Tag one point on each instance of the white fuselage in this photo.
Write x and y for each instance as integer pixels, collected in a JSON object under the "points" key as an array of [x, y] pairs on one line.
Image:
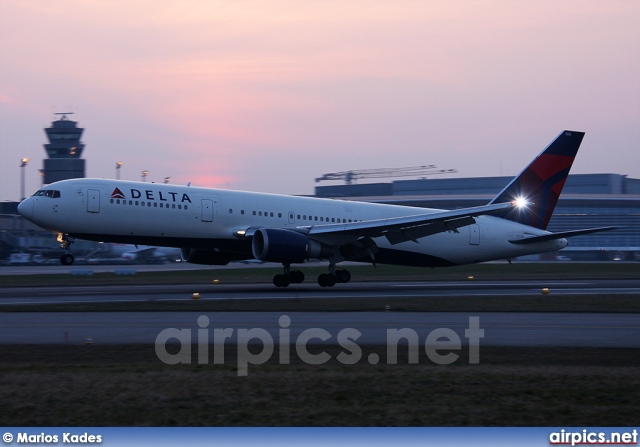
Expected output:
{"points": [[203, 218]]}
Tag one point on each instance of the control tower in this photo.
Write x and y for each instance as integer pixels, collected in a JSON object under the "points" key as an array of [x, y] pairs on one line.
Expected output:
{"points": [[64, 150]]}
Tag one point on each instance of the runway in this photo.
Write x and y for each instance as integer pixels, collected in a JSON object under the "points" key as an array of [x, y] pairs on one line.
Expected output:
{"points": [[310, 290], [499, 329]]}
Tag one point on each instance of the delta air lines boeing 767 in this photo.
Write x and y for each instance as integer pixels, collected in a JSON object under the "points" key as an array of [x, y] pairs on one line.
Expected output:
{"points": [[215, 226]]}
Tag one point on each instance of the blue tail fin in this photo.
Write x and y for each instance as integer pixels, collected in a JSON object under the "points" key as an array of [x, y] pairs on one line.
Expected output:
{"points": [[541, 182]]}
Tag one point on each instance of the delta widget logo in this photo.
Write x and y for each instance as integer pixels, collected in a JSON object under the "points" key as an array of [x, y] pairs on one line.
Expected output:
{"points": [[117, 194]]}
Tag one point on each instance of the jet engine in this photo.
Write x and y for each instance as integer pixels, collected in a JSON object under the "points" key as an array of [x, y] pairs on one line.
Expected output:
{"points": [[286, 246]]}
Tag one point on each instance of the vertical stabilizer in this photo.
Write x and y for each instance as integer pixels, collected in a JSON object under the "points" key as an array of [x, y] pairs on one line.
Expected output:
{"points": [[541, 182]]}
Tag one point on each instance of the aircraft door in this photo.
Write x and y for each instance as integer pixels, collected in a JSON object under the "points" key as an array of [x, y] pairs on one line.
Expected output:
{"points": [[474, 234], [207, 210], [292, 217], [93, 201]]}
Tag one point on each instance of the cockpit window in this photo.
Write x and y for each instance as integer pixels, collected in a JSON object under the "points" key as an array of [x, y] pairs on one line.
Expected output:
{"points": [[54, 194]]}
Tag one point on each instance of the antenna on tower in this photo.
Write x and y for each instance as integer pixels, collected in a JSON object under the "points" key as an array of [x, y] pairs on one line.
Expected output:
{"points": [[64, 115]]}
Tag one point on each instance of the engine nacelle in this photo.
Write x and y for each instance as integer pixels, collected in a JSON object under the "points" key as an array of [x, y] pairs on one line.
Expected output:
{"points": [[286, 246], [204, 257]]}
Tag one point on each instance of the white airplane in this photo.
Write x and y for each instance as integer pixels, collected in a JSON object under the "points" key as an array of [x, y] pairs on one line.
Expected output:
{"points": [[214, 226]]}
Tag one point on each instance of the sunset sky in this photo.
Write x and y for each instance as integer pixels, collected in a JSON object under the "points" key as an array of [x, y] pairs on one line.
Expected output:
{"points": [[267, 96]]}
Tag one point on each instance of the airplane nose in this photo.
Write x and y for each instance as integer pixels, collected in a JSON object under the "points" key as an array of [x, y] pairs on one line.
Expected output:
{"points": [[25, 208]]}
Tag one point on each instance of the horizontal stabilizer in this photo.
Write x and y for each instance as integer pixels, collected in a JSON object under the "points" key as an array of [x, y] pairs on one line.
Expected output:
{"points": [[564, 234]]}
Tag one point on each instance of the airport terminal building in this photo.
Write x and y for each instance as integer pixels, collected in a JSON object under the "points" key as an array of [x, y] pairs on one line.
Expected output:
{"points": [[587, 201]]}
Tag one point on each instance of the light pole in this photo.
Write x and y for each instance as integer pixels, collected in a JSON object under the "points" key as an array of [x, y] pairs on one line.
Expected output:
{"points": [[23, 163], [144, 175], [118, 167]]}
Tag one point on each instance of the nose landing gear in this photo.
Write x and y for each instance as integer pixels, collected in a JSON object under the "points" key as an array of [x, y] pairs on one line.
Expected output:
{"points": [[67, 259], [65, 243]]}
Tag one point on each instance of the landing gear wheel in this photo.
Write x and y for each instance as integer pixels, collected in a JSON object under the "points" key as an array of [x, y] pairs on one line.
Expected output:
{"points": [[296, 276], [67, 259], [281, 280], [327, 280], [343, 276], [288, 277]]}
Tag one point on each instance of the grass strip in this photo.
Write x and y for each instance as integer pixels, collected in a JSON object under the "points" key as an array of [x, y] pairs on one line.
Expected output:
{"points": [[127, 385]]}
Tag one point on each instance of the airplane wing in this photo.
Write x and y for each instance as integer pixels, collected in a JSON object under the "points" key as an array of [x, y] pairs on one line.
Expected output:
{"points": [[400, 229], [563, 234]]}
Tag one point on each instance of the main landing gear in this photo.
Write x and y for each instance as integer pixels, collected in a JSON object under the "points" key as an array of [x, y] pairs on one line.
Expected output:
{"points": [[65, 243], [288, 277], [324, 280], [334, 277]]}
